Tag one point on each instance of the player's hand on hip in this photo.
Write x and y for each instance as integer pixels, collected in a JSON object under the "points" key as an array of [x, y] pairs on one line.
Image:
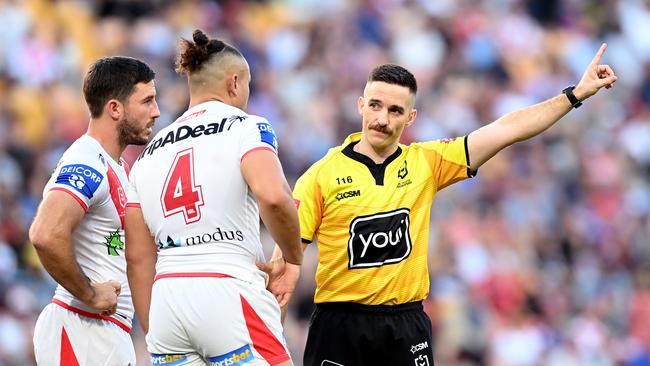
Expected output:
{"points": [[595, 77], [105, 297]]}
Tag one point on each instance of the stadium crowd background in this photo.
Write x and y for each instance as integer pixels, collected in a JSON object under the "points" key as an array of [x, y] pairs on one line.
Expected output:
{"points": [[542, 259]]}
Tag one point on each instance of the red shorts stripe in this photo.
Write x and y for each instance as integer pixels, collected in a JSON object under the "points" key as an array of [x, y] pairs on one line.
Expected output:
{"points": [[82, 203], [91, 315], [263, 339], [192, 274], [68, 357]]}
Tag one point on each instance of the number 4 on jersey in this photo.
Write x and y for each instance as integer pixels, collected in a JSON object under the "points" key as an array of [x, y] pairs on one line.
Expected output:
{"points": [[180, 192]]}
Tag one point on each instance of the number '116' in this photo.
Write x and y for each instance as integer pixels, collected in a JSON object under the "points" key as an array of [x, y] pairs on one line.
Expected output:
{"points": [[344, 180]]}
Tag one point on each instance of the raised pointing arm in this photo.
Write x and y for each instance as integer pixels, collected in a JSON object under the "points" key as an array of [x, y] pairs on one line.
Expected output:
{"points": [[527, 122]]}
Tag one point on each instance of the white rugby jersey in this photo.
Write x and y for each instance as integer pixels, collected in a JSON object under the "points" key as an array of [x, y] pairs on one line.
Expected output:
{"points": [[193, 196], [99, 184]]}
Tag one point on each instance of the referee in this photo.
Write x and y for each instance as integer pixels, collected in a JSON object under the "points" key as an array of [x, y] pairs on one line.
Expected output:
{"points": [[367, 203]]}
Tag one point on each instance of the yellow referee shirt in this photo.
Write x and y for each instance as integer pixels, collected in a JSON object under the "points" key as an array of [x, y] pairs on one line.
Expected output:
{"points": [[371, 221]]}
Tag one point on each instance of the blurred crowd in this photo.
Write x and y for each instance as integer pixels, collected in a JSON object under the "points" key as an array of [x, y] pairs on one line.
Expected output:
{"points": [[542, 259]]}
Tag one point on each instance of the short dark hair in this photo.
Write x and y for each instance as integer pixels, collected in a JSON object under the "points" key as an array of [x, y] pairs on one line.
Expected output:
{"points": [[113, 78], [394, 74], [194, 54]]}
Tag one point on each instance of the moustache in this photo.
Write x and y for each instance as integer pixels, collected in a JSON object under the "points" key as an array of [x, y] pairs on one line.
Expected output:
{"points": [[378, 128]]}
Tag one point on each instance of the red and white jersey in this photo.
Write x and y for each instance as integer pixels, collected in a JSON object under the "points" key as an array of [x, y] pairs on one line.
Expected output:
{"points": [[194, 199], [99, 184]]}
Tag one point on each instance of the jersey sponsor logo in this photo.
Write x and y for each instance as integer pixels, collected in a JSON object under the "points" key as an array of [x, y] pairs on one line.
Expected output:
{"points": [[379, 239], [81, 177], [238, 356], [183, 132], [448, 140], [419, 347], [216, 236], [348, 194], [114, 242], [267, 134], [170, 243], [422, 360], [219, 235], [169, 360]]}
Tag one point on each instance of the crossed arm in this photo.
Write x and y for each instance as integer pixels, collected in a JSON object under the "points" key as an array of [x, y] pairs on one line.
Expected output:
{"points": [[527, 122]]}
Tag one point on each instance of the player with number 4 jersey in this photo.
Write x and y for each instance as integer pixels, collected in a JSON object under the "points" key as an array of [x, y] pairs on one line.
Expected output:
{"points": [[181, 209], [198, 191]]}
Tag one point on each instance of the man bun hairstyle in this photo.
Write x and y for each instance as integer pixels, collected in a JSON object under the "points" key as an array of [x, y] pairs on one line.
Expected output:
{"points": [[194, 54], [394, 74], [113, 78]]}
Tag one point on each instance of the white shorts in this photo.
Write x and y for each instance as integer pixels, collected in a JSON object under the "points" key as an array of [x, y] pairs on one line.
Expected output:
{"points": [[66, 338], [213, 320]]}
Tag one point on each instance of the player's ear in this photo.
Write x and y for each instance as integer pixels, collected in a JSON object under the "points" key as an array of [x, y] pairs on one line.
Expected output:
{"points": [[114, 108], [360, 104], [412, 116], [232, 84]]}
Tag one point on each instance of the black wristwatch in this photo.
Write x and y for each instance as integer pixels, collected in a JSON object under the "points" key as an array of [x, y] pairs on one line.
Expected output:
{"points": [[568, 91]]}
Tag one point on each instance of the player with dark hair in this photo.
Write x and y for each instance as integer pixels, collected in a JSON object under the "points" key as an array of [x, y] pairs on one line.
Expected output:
{"points": [[192, 223], [368, 202], [78, 231]]}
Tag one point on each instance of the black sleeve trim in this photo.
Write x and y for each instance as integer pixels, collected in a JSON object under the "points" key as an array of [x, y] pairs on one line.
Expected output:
{"points": [[305, 241], [469, 172]]}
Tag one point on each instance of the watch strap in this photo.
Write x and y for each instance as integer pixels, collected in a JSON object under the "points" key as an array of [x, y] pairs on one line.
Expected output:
{"points": [[568, 91]]}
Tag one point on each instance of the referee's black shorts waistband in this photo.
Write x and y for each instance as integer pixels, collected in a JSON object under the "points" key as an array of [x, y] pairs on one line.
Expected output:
{"points": [[362, 308]]}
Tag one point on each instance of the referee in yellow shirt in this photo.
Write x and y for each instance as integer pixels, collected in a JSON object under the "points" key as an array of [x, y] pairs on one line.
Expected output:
{"points": [[368, 202]]}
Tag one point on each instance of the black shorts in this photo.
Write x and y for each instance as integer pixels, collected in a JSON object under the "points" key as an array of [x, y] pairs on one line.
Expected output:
{"points": [[348, 334]]}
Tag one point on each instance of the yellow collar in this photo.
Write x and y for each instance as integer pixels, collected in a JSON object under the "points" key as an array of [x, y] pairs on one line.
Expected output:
{"points": [[352, 138]]}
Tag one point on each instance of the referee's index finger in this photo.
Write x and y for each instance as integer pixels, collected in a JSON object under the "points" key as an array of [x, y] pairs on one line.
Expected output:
{"points": [[599, 54]]}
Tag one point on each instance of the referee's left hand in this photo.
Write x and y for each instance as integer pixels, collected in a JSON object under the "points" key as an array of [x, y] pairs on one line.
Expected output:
{"points": [[283, 277]]}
